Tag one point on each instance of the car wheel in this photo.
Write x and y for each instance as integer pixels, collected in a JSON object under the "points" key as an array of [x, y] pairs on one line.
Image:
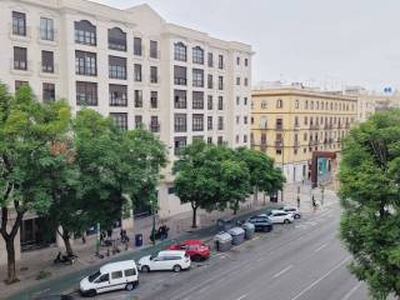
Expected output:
{"points": [[197, 258], [91, 293], [297, 216], [130, 286], [177, 268], [145, 269], [286, 221]]}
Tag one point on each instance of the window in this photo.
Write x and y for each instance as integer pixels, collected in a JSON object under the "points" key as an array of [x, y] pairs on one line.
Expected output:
{"points": [[245, 138], [138, 98], [19, 83], [263, 140], [86, 93], [238, 60], [154, 125], [180, 123], [49, 92], [116, 39], [220, 123], [210, 102], [137, 72], [220, 103], [120, 120], [179, 75], [220, 140], [180, 52], [153, 49], [198, 55], [305, 136], [246, 62], [130, 272], [245, 101], [220, 62], [297, 104], [210, 59], [246, 82], [116, 275], [198, 78], [20, 58], [322, 105], [279, 103], [180, 142], [279, 124], [209, 140], [118, 95], [312, 105], [210, 81], [237, 139], [317, 105], [305, 120], [198, 123], [220, 83], [237, 80], [138, 121], [85, 63], [153, 99], [137, 46], [180, 98], [103, 278], [85, 33], [46, 29], [19, 23], [263, 123], [245, 120], [117, 67], [209, 123], [237, 100], [198, 100], [306, 104], [47, 61], [153, 74], [296, 121], [264, 104], [237, 119]]}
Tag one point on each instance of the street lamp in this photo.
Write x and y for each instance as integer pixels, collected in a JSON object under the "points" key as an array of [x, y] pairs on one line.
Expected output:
{"points": [[283, 158]]}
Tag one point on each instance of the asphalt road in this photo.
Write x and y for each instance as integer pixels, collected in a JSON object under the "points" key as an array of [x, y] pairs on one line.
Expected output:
{"points": [[301, 261]]}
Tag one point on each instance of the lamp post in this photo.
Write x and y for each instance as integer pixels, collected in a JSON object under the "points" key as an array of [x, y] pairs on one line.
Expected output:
{"points": [[283, 158]]}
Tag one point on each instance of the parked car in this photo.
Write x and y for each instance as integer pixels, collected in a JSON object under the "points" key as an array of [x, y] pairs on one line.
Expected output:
{"points": [[280, 216], [110, 277], [261, 223], [171, 260], [54, 297], [293, 210], [196, 249]]}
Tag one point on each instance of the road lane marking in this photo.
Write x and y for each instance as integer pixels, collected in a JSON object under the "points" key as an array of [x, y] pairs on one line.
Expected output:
{"points": [[321, 278], [283, 271], [352, 291], [242, 297], [321, 247]]}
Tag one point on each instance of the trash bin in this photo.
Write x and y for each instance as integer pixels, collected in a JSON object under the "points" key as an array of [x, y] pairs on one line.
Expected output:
{"points": [[249, 230], [237, 234], [223, 241], [139, 240]]}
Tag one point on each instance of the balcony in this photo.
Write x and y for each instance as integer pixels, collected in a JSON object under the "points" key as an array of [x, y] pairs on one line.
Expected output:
{"points": [[279, 127]]}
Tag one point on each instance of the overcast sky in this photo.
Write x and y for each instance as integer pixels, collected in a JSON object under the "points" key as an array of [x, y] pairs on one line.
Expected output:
{"points": [[335, 42]]}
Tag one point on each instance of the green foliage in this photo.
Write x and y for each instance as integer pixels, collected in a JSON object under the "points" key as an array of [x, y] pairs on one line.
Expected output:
{"points": [[370, 195]]}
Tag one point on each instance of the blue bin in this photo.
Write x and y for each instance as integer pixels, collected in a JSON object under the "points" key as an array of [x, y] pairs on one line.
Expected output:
{"points": [[139, 240]]}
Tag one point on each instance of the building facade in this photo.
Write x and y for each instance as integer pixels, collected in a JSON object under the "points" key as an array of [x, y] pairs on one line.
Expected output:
{"points": [[133, 66], [290, 123]]}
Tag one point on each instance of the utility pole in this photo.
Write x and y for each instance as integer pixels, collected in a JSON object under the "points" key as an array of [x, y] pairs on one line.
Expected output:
{"points": [[283, 157]]}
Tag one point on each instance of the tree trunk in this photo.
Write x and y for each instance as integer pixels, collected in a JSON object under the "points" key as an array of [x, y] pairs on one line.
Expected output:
{"points": [[255, 199], [67, 243], [235, 207], [194, 216], [11, 273]]}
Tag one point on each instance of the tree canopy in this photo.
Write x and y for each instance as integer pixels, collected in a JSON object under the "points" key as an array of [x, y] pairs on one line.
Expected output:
{"points": [[370, 196]]}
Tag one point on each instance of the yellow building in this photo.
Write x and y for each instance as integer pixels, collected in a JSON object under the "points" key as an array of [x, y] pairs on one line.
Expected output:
{"points": [[289, 123]]}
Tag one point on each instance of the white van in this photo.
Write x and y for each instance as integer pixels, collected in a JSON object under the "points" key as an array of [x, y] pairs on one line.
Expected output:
{"points": [[113, 276], [172, 260]]}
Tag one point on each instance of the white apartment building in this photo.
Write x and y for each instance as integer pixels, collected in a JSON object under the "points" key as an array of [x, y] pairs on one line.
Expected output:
{"points": [[134, 66]]}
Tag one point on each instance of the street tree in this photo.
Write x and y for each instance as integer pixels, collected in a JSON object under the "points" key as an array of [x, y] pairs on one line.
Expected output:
{"points": [[369, 189], [198, 177], [264, 176], [28, 129]]}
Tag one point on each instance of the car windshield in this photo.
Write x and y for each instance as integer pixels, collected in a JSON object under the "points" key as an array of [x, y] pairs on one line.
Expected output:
{"points": [[94, 276]]}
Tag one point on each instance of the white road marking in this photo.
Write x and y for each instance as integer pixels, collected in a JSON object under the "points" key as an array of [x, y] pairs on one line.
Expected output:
{"points": [[242, 297], [321, 278], [352, 291], [283, 271], [321, 247]]}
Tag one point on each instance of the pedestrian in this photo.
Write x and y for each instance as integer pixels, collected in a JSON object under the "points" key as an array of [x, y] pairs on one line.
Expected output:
{"points": [[109, 233], [298, 201], [314, 203]]}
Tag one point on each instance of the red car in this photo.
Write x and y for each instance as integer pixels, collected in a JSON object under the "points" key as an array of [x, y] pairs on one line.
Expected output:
{"points": [[196, 249]]}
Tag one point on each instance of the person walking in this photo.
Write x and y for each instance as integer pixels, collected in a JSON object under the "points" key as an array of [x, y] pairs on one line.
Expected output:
{"points": [[314, 203], [298, 202]]}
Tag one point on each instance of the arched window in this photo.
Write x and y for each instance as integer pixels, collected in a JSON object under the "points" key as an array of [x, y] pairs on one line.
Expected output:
{"points": [[180, 51], [306, 104], [85, 33], [198, 55], [317, 105], [297, 103], [312, 104], [331, 105], [322, 105], [279, 103], [116, 39], [335, 106], [264, 104]]}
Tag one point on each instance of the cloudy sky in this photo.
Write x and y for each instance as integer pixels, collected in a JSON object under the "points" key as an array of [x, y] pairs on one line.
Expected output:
{"points": [[328, 43]]}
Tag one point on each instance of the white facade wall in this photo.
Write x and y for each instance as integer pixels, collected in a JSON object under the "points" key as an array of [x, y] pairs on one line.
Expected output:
{"points": [[140, 21]]}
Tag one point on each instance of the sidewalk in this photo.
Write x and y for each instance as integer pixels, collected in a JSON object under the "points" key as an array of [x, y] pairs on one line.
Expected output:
{"points": [[34, 262]]}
